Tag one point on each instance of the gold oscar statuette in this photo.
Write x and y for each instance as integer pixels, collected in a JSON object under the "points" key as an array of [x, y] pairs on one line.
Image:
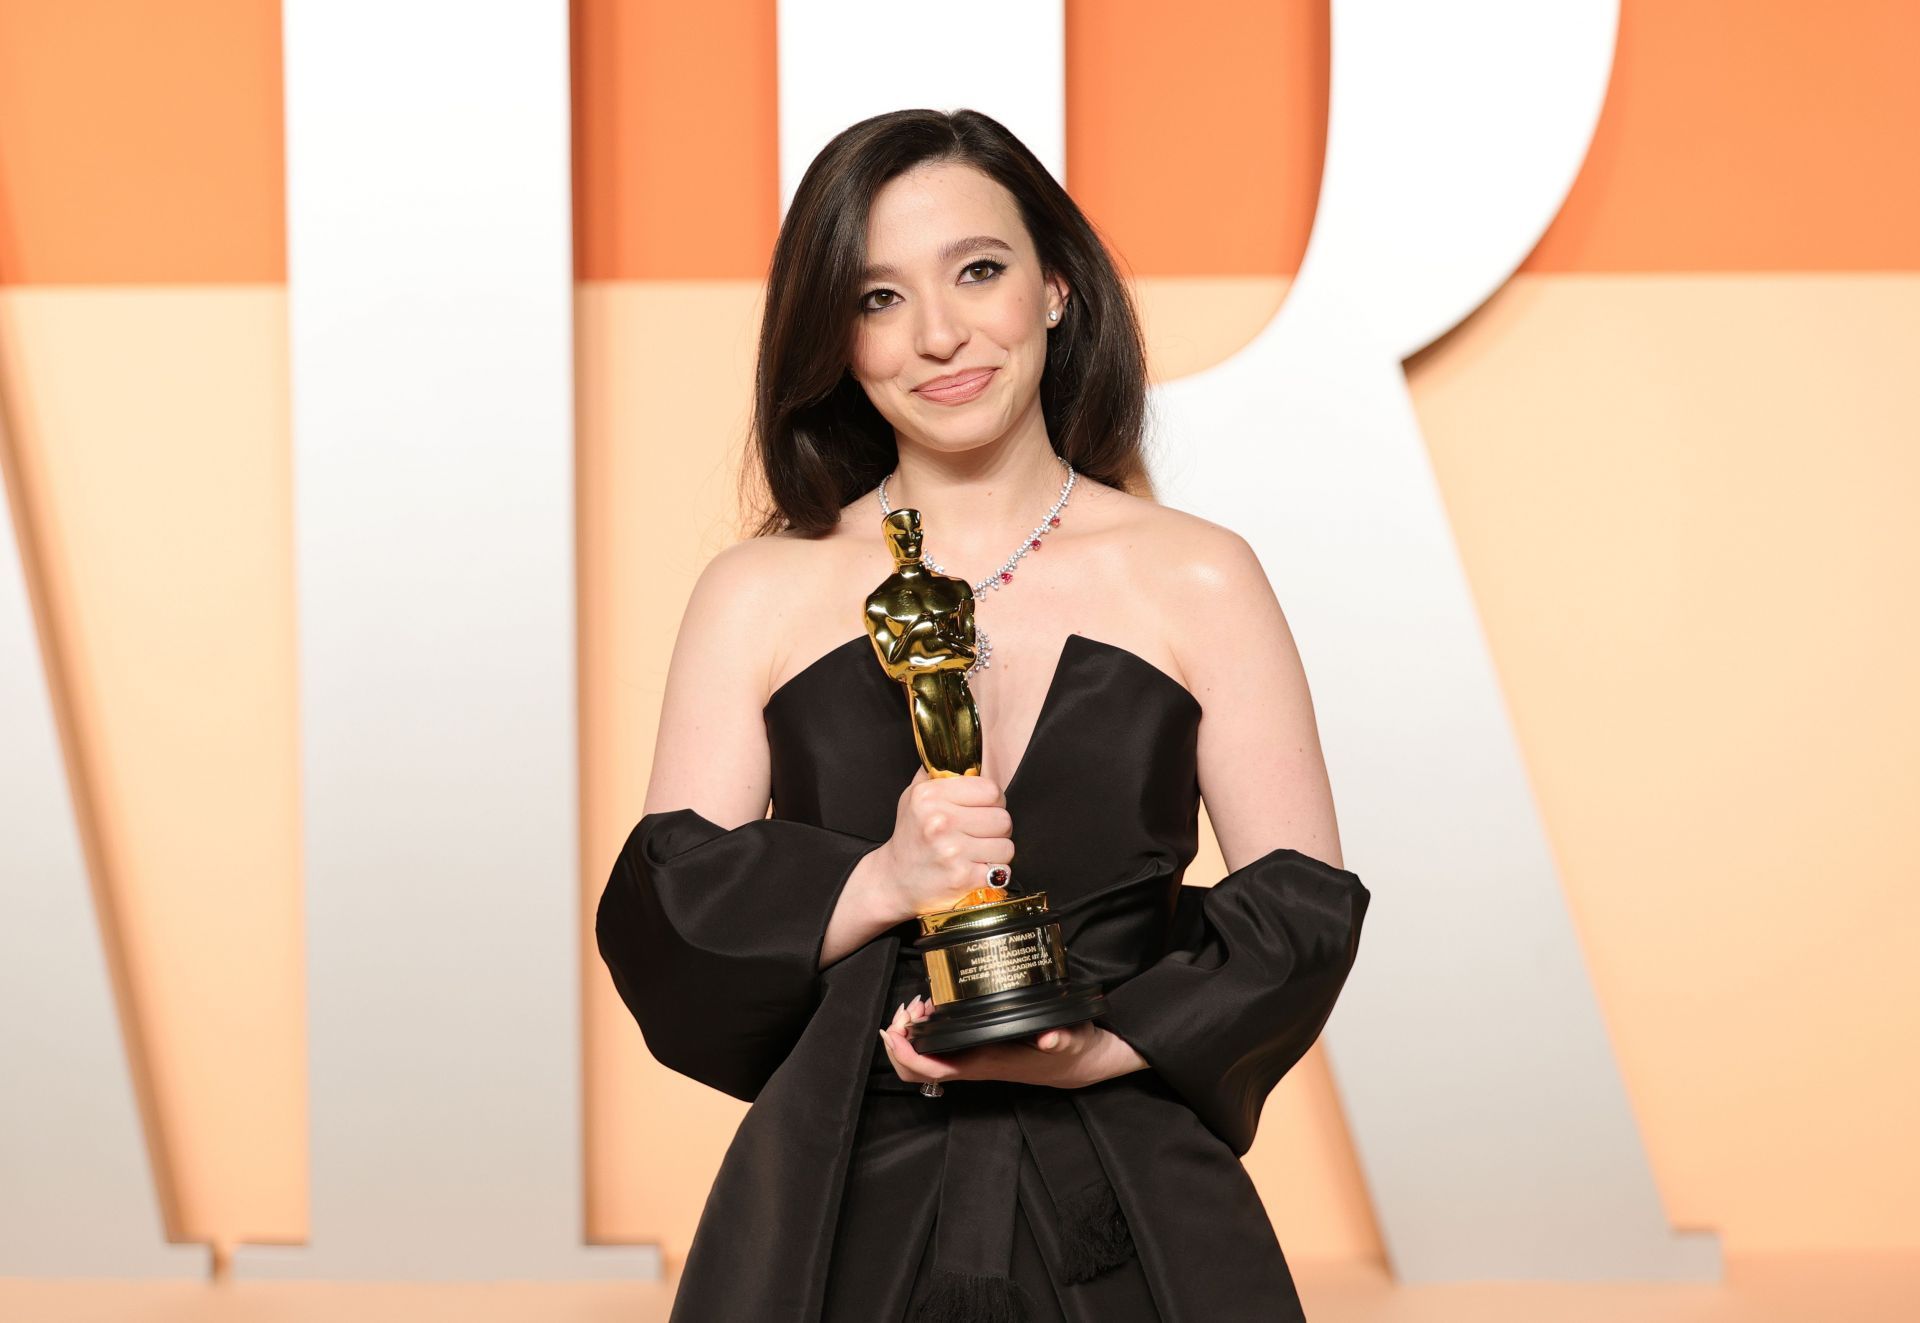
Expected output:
{"points": [[996, 966]]}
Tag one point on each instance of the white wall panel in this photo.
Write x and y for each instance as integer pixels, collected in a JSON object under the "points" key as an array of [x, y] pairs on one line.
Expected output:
{"points": [[430, 274], [844, 60], [1481, 1091]]}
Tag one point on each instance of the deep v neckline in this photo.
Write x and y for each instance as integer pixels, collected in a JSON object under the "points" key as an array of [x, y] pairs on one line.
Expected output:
{"points": [[1040, 717], [1075, 645]]}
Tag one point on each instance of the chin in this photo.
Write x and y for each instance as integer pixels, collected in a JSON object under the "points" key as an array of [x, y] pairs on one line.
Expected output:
{"points": [[969, 438]]}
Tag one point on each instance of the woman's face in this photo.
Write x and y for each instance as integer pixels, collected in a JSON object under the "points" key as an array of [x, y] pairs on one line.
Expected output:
{"points": [[953, 286]]}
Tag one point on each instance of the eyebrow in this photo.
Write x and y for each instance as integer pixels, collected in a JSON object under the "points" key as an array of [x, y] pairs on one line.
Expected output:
{"points": [[881, 271]]}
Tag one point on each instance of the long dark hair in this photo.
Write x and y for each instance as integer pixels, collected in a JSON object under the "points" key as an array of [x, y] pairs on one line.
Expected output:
{"points": [[818, 441]]}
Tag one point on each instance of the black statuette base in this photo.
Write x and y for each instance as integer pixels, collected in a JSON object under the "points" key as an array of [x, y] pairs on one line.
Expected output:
{"points": [[999, 1016]]}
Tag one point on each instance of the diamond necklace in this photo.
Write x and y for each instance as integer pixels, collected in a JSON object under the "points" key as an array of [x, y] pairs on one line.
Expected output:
{"points": [[983, 652]]}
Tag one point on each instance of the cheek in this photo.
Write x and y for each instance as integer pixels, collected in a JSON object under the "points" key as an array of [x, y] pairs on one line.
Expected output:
{"points": [[1016, 325], [875, 357]]}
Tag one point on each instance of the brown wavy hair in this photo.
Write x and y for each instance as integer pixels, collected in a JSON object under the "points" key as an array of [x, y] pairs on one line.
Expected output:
{"points": [[816, 441]]}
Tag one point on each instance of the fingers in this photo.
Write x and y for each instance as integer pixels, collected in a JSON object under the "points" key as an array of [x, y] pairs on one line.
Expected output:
{"points": [[912, 1066], [971, 791], [894, 1044], [1009, 1061], [986, 822], [1069, 1039], [1055, 1057]]}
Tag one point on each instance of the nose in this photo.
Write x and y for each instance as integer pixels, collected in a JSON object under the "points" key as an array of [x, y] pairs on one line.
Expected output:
{"points": [[939, 330]]}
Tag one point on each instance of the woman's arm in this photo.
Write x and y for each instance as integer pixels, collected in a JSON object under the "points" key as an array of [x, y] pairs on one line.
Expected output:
{"points": [[1262, 773], [710, 749], [716, 920], [1254, 963], [868, 906]]}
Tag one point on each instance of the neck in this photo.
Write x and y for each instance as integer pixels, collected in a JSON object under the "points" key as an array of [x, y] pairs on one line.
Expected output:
{"points": [[977, 505]]}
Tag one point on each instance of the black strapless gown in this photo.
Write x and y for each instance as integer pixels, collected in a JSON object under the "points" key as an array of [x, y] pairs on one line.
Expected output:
{"points": [[848, 1197]]}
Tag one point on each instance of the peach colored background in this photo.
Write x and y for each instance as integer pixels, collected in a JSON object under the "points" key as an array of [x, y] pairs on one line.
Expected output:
{"points": [[1678, 452]]}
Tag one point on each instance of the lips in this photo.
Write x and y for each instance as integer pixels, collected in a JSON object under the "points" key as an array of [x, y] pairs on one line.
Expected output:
{"points": [[961, 386]]}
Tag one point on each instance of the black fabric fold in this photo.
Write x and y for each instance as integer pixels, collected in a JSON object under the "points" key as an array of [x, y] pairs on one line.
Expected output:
{"points": [[1094, 1237], [958, 1297], [1084, 1233], [973, 1234], [713, 938], [1252, 969], [1089, 1231]]}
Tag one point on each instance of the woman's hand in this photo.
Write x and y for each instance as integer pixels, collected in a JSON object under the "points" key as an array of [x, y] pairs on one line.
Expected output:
{"points": [[947, 832], [1069, 1058]]}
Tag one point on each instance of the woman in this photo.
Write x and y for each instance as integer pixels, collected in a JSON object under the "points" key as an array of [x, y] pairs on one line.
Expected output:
{"points": [[944, 331]]}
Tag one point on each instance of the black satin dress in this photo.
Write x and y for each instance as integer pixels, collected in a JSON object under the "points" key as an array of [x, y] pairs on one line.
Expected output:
{"points": [[846, 1196]]}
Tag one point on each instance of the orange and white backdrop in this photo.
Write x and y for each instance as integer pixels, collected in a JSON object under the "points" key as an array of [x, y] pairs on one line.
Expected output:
{"points": [[373, 382]]}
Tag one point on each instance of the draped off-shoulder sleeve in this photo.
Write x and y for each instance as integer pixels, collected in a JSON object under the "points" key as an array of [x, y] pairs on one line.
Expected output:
{"points": [[1253, 966], [713, 938]]}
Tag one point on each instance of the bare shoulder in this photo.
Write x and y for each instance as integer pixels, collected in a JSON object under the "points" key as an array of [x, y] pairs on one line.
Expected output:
{"points": [[1214, 604], [737, 584], [739, 573], [1187, 563], [1193, 554]]}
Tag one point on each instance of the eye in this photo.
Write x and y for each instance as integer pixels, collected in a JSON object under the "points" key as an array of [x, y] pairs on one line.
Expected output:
{"points": [[993, 269]]}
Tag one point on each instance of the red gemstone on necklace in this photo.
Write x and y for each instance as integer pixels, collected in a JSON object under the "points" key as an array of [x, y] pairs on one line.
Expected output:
{"points": [[1053, 521], [1006, 576], [1034, 545]]}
